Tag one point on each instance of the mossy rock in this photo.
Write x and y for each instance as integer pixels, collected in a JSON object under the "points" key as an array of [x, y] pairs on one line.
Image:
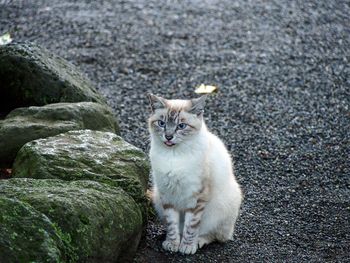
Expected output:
{"points": [[30, 75], [95, 222], [27, 235], [87, 155], [23, 125]]}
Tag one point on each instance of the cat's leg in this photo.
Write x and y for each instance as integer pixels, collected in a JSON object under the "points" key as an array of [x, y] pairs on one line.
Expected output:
{"points": [[225, 227], [189, 242], [172, 220], [205, 240], [224, 231]]}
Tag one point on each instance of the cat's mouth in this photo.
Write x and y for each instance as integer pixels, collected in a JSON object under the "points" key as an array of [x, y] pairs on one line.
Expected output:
{"points": [[169, 143]]}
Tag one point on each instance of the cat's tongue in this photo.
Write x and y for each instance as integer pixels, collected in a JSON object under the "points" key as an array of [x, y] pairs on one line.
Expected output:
{"points": [[169, 143]]}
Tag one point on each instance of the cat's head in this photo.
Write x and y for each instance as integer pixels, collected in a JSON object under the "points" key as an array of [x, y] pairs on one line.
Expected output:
{"points": [[173, 122]]}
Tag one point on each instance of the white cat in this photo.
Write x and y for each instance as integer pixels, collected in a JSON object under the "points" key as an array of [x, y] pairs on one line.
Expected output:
{"points": [[195, 191]]}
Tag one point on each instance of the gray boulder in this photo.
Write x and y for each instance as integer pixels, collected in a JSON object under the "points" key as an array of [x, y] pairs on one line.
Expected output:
{"points": [[26, 124], [87, 155], [32, 76], [79, 221]]}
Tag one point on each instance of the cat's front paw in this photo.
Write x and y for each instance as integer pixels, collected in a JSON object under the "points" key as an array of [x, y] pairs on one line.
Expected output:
{"points": [[188, 248], [171, 246]]}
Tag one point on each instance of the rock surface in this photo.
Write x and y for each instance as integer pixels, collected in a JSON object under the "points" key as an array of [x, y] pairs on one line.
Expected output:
{"points": [[30, 75], [26, 124], [86, 155], [27, 235], [96, 222]]}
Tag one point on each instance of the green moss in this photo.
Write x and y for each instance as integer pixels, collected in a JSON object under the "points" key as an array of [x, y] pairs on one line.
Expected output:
{"points": [[87, 155], [26, 235], [40, 122], [92, 221], [69, 249]]}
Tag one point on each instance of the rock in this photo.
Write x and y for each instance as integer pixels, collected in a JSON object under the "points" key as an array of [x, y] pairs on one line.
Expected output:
{"points": [[26, 124], [96, 222], [87, 155], [32, 76], [27, 235]]}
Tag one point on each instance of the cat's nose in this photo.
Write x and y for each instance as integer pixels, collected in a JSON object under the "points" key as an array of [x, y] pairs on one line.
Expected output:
{"points": [[169, 137]]}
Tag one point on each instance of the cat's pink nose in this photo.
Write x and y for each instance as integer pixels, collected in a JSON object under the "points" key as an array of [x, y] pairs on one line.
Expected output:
{"points": [[169, 137]]}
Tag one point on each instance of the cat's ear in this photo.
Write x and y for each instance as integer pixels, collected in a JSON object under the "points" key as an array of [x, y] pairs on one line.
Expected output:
{"points": [[198, 105], [156, 102]]}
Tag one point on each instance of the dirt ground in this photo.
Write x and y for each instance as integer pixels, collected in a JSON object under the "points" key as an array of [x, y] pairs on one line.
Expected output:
{"points": [[282, 69]]}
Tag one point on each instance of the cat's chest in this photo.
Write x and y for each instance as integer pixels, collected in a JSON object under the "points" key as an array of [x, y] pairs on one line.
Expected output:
{"points": [[177, 173], [178, 177], [176, 165], [178, 184]]}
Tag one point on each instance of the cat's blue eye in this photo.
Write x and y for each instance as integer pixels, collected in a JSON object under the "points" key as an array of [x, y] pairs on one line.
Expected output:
{"points": [[161, 123], [181, 126]]}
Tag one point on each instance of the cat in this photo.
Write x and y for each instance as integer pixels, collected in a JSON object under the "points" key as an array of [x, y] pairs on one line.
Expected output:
{"points": [[195, 192]]}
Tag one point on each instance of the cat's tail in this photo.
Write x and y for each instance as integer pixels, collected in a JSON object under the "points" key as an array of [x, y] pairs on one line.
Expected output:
{"points": [[149, 194], [153, 195]]}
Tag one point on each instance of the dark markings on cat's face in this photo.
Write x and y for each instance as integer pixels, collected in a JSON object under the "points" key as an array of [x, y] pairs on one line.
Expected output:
{"points": [[174, 121]]}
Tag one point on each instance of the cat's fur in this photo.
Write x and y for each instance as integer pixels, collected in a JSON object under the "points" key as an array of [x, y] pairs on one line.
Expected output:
{"points": [[194, 188]]}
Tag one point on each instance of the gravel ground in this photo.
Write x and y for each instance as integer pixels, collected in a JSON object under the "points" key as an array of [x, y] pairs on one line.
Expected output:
{"points": [[282, 68]]}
